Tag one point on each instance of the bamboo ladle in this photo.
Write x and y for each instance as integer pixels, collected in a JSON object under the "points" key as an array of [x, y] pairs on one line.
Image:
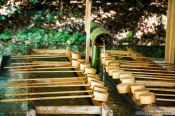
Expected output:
{"points": [[56, 78], [49, 86], [31, 57], [29, 72], [49, 93], [52, 83], [33, 68], [46, 98]]}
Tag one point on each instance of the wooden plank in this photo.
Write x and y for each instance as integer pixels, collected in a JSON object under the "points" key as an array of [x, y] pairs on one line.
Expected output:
{"points": [[166, 110], [68, 109], [106, 111]]}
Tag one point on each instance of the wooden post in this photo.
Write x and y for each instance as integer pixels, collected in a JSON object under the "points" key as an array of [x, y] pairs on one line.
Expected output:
{"points": [[87, 28], [106, 111], [170, 33]]}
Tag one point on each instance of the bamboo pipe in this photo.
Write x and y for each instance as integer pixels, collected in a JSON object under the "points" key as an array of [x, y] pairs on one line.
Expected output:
{"points": [[57, 78], [43, 68], [49, 93], [170, 95], [52, 83], [46, 98], [164, 99], [16, 58], [26, 72], [162, 89], [48, 86], [155, 78]]}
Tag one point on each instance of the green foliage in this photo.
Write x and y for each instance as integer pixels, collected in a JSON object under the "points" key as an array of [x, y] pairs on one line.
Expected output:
{"points": [[6, 35], [34, 37], [34, 1], [8, 11], [129, 37]]}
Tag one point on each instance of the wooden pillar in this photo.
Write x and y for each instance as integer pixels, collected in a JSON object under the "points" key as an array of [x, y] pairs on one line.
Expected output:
{"points": [[87, 28], [170, 33]]}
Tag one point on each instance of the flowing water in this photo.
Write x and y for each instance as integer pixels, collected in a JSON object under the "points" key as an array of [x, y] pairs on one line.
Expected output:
{"points": [[118, 103]]}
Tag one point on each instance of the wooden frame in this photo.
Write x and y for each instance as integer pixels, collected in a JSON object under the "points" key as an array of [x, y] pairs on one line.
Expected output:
{"points": [[146, 74], [170, 33], [99, 108]]}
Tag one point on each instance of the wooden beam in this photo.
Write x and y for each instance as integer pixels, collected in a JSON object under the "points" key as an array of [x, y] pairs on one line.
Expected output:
{"points": [[166, 110], [87, 28], [170, 33], [68, 109]]}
